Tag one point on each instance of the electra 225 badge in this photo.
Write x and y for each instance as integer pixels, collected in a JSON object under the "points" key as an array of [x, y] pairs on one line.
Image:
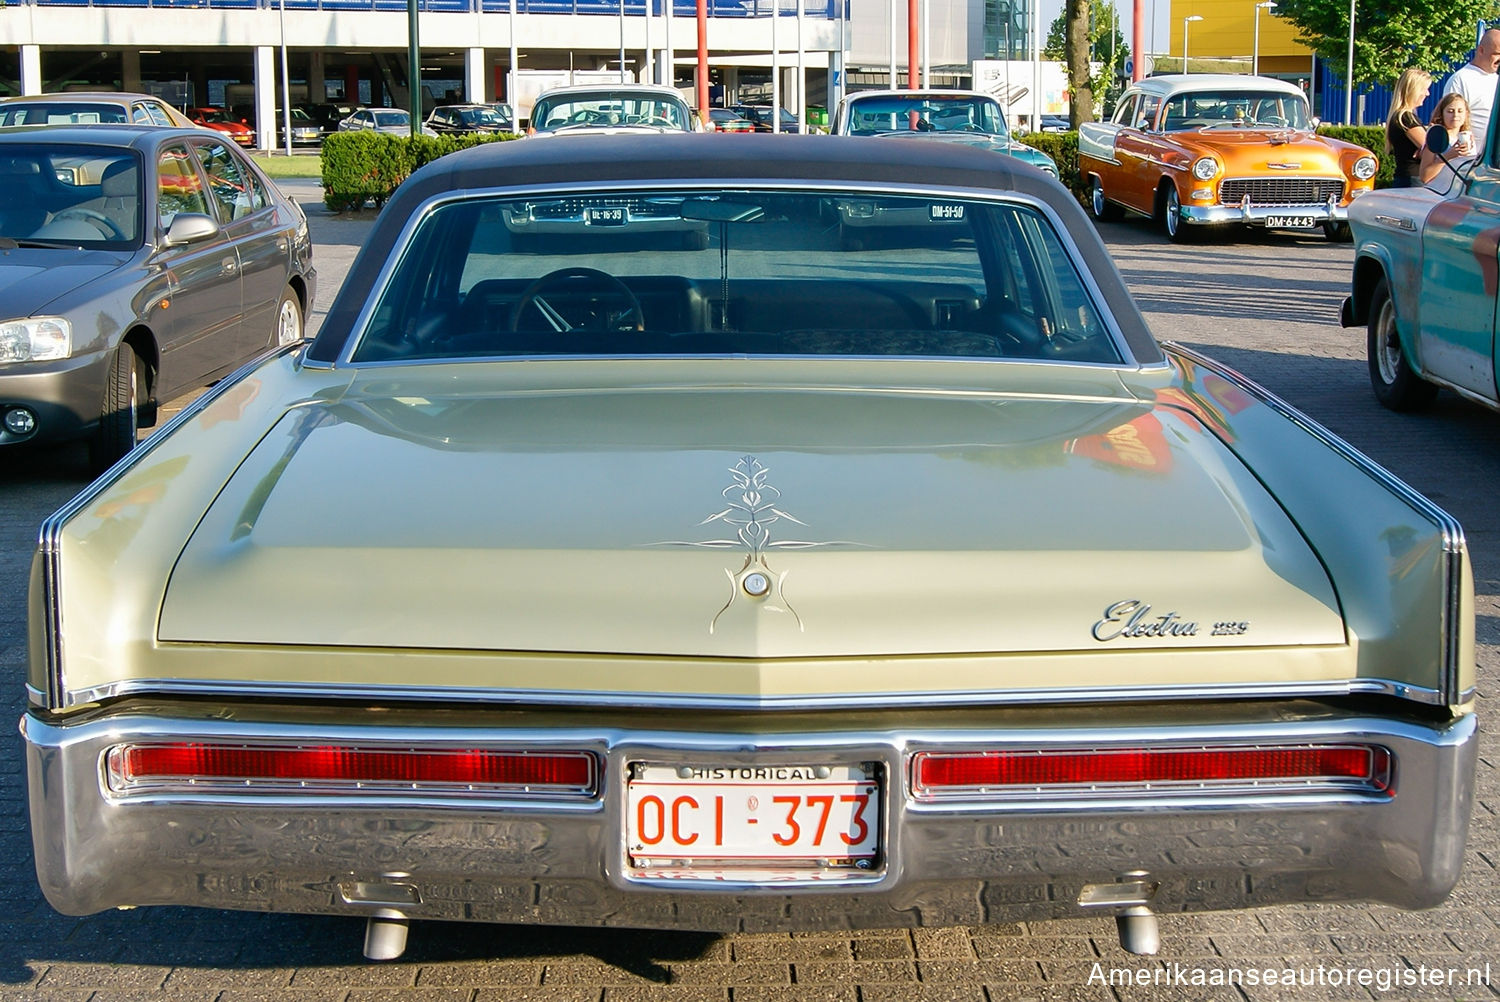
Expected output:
{"points": [[1133, 619], [751, 506]]}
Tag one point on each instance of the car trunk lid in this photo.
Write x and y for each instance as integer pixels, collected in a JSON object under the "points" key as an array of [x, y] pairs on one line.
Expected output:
{"points": [[746, 523]]}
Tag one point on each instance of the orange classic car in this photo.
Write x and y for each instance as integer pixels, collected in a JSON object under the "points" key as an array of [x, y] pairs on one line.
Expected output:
{"points": [[1210, 149]]}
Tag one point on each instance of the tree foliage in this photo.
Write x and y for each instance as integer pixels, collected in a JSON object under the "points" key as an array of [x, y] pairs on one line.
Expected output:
{"points": [[1389, 35]]}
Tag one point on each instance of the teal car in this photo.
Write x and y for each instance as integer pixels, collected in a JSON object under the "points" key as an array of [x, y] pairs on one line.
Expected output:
{"points": [[970, 118], [1424, 284]]}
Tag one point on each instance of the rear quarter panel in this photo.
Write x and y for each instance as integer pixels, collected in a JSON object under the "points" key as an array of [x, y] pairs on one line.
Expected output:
{"points": [[1399, 563]]}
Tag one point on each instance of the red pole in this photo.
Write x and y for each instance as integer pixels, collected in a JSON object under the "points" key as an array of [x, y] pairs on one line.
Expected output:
{"points": [[703, 61], [1137, 41], [912, 70]]}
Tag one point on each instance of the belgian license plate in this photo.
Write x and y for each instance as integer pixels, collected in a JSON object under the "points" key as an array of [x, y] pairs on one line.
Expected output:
{"points": [[724, 820], [1290, 222], [607, 216]]}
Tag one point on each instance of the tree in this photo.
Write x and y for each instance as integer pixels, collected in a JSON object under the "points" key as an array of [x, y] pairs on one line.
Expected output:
{"points": [[1080, 79], [1389, 35], [1107, 50]]}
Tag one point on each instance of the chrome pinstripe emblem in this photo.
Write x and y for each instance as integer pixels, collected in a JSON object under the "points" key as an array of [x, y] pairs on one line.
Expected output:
{"points": [[752, 514]]}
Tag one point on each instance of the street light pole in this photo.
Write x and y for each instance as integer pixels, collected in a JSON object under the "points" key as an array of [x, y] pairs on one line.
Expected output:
{"points": [[1255, 59], [1349, 72], [1185, 22]]}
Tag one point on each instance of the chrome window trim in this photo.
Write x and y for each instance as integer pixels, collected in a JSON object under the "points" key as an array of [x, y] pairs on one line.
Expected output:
{"points": [[360, 325], [1452, 532], [310, 691], [49, 537]]}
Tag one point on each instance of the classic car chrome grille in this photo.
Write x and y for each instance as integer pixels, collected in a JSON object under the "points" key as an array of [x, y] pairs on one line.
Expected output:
{"points": [[1281, 190]]}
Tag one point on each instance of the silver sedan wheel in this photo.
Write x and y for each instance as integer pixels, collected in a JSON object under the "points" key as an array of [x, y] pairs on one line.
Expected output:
{"points": [[288, 319]]}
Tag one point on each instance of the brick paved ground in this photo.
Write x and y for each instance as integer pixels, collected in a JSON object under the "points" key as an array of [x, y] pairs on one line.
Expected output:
{"points": [[1265, 305]]}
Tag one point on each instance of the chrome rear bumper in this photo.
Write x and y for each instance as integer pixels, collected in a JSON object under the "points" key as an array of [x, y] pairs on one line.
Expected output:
{"points": [[944, 863]]}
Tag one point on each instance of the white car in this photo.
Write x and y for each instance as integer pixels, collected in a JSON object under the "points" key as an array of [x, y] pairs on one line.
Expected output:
{"points": [[610, 108], [391, 121]]}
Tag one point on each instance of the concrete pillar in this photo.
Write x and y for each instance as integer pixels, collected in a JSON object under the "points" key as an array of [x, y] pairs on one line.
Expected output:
{"points": [[130, 71], [835, 77], [198, 75], [474, 75], [265, 97], [31, 69], [317, 91]]}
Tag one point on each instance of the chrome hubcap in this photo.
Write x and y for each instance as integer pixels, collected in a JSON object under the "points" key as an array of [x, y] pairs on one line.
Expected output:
{"points": [[1098, 199], [1387, 345], [1173, 208]]}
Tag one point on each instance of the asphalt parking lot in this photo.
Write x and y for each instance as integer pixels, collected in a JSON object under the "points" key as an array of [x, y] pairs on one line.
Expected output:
{"points": [[1263, 304]]}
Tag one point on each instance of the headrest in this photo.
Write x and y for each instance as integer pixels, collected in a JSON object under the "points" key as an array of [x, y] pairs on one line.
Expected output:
{"points": [[119, 180]]}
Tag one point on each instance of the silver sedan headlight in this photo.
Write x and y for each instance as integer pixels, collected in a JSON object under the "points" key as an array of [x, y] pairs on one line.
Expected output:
{"points": [[1364, 168], [1205, 168], [36, 339]]}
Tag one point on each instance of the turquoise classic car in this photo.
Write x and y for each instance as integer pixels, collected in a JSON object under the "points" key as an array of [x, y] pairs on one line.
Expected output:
{"points": [[954, 116], [1424, 283]]}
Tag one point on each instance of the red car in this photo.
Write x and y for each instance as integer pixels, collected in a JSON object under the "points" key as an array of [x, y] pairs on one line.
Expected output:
{"points": [[218, 120]]}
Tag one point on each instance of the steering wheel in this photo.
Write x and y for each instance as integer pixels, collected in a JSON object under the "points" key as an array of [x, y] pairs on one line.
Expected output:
{"points": [[78, 212], [589, 295]]}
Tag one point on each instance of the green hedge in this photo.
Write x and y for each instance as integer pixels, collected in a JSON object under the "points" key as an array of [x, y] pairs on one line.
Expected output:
{"points": [[1372, 138], [368, 166], [1063, 147]]}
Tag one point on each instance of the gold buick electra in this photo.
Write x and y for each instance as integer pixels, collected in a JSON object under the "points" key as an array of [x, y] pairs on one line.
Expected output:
{"points": [[753, 581], [1208, 150]]}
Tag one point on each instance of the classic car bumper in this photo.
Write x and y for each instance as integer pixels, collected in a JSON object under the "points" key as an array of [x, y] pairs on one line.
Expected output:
{"points": [[1258, 215], [523, 858]]}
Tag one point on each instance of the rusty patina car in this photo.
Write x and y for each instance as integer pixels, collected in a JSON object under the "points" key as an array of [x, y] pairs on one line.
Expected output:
{"points": [[771, 585], [1206, 150]]}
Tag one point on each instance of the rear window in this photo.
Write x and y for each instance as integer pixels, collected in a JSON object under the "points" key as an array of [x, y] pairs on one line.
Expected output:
{"points": [[63, 113], [736, 272]]}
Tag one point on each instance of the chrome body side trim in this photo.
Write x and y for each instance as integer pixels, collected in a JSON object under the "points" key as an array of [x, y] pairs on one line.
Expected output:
{"points": [[1447, 525], [378, 694], [50, 534], [511, 859]]}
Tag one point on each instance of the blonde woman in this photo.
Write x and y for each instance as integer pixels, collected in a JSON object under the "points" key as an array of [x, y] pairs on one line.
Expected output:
{"points": [[1452, 113], [1404, 133]]}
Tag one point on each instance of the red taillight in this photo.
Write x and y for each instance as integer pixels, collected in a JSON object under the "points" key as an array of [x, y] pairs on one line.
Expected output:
{"points": [[938, 774], [201, 766]]}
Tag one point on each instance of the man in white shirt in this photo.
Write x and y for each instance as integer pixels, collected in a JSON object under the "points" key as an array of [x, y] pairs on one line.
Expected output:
{"points": [[1475, 80]]}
